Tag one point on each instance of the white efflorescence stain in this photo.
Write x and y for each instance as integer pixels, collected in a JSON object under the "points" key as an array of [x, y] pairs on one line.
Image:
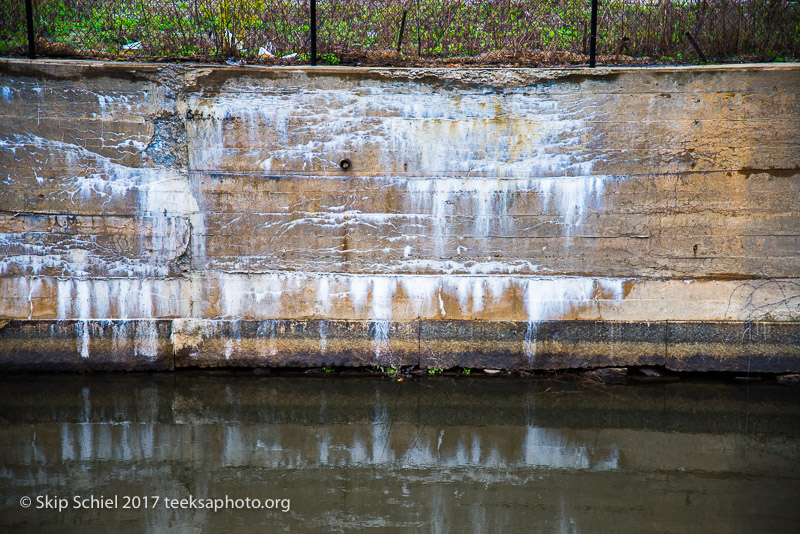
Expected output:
{"points": [[165, 207], [459, 170], [536, 148], [554, 298], [471, 155], [377, 299]]}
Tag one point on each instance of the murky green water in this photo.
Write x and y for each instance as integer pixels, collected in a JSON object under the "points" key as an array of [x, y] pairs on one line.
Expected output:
{"points": [[342, 454]]}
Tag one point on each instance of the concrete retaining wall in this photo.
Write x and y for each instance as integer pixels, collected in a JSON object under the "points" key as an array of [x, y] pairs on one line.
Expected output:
{"points": [[162, 216]]}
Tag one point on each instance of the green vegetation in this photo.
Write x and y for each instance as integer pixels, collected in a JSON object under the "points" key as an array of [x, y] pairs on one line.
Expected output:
{"points": [[390, 371], [328, 370], [231, 22], [330, 58], [435, 371], [434, 28], [12, 26]]}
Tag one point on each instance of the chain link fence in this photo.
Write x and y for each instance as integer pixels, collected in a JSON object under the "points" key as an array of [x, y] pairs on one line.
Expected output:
{"points": [[406, 32]]}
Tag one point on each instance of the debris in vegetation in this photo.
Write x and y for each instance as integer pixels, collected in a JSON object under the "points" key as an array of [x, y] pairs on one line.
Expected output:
{"points": [[652, 374], [747, 378], [607, 375], [788, 380], [494, 58]]}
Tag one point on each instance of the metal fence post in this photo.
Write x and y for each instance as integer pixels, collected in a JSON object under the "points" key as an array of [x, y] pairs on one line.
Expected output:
{"points": [[313, 24], [593, 36], [402, 29], [696, 46], [31, 36]]}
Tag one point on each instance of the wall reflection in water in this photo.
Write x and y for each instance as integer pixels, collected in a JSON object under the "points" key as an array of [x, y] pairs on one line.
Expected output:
{"points": [[471, 455]]}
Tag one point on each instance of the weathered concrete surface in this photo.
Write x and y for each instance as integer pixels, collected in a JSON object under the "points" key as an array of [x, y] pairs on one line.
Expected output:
{"points": [[503, 218], [547, 345], [746, 346], [294, 343], [86, 345]]}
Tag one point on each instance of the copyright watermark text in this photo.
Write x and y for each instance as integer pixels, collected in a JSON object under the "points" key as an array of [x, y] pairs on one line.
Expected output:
{"points": [[149, 502]]}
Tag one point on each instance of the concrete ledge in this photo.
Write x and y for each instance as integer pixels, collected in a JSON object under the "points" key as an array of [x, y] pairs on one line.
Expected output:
{"points": [[765, 347], [286, 343], [549, 345], [86, 346]]}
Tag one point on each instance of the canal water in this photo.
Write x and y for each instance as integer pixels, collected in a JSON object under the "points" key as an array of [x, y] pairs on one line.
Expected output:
{"points": [[189, 452]]}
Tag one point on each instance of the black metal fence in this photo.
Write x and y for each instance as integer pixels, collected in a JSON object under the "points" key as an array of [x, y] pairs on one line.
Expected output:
{"points": [[404, 31]]}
